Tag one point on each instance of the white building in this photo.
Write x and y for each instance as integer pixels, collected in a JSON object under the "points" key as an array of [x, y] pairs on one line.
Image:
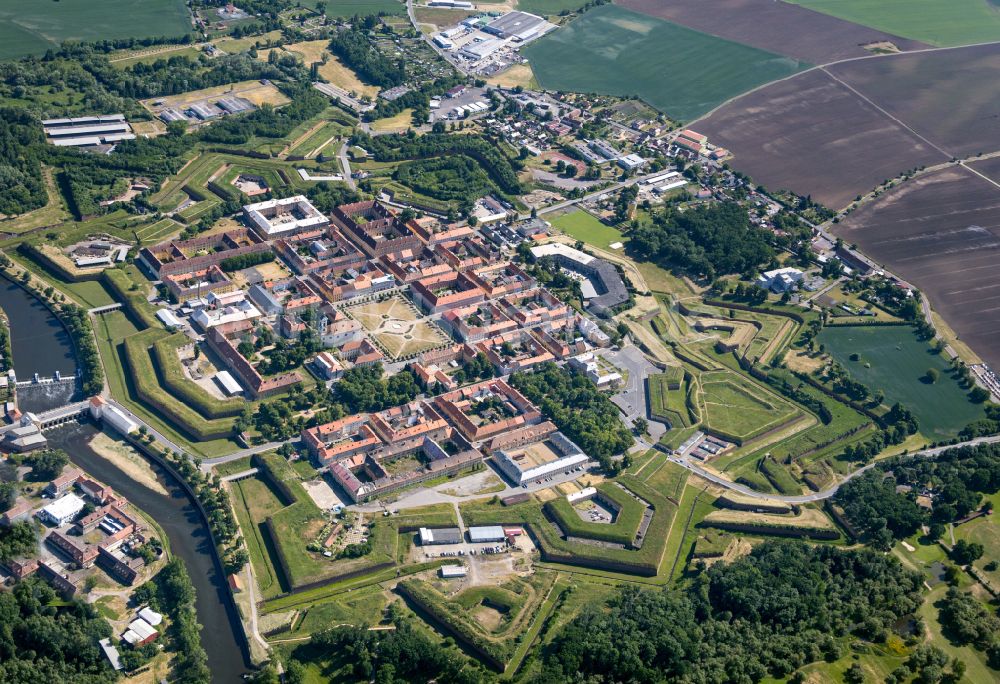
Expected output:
{"points": [[590, 365], [281, 217], [486, 533], [62, 511], [169, 318], [228, 383], [453, 571], [631, 162], [112, 415], [780, 279], [444, 42], [241, 311], [568, 456]]}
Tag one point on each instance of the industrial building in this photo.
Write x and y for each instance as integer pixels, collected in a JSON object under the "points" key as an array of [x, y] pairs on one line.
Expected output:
{"points": [[488, 533], [62, 511], [453, 571], [780, 279], [448, 535], [519, 26], [87, 131]]}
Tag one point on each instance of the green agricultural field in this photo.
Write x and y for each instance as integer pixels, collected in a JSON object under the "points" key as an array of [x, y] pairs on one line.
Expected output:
{"points": [[681, 72], [584, 227], [550, 7], [32, 27], [898, 361], [956, 22], [361, 8]]}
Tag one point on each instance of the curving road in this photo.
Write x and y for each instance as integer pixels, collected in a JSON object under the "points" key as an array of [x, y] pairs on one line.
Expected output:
{"points": [[815, 496]]}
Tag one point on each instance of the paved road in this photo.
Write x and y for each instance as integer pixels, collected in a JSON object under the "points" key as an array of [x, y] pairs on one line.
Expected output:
{"points": [[345, 166], [815, 496]]}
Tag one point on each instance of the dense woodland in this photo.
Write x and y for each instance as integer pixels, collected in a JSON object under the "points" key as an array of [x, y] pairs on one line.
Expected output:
{"points": [[357, 52], [405, 146], [579, 409], [784, 606], [21, 184], [43, 639], [710, 240]]}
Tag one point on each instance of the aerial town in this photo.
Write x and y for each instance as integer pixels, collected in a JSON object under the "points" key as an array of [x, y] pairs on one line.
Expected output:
{"points": [[535, 341]]}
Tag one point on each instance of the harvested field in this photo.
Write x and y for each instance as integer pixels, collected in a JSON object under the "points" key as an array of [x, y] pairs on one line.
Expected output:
{"points": [[814, 136], [779, 27], [922, 90], [942, 233], [332, 71], [681, 72]]}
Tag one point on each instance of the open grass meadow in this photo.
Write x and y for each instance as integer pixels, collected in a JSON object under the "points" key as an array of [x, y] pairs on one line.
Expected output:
{"points": [[681, 72], [586, 228], [30, 27], [956, 22], [892, 359]]}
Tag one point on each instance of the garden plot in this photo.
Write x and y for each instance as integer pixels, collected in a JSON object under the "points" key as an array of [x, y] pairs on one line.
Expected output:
{"points": [[397, 326]]}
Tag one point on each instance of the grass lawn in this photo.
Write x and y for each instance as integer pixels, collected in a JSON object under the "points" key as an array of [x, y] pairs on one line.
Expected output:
{"points": [[681, 72], [985, 531], [583, 226], [254, 501], [734, 405], [31, 27], [956, 22], [395, 124], [898, 363]]}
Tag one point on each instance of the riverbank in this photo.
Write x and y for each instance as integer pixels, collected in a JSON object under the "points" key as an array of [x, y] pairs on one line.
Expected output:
{"points": [[128, 460], [184, 526]]}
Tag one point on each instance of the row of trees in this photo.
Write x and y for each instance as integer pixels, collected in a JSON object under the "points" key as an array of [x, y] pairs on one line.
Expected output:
{"points": [[172, 593]]}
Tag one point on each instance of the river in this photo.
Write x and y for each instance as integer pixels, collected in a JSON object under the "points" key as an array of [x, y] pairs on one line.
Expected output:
{"points": [[189, 539], [39, 344]]}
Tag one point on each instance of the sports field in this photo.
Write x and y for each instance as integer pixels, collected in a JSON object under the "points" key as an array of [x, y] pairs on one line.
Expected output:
{"points": [[955, 22], [898, 361], [33, 26], [684, 73], [583, 226]]}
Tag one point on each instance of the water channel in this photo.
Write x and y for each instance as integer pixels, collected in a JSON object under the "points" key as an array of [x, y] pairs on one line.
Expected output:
{"points": [[189, 539], [39, 344]]}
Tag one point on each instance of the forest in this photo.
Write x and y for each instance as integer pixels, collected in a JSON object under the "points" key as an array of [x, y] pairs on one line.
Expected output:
{"points": [[43, 639], [768, 614], [407, 146], [957, 478], [357, 52], [710, 240], [579, 409], [21, 186]]}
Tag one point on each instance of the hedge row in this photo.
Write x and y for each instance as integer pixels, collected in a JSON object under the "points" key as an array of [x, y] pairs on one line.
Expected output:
{"points": [[188, 391], [150, 391]]}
